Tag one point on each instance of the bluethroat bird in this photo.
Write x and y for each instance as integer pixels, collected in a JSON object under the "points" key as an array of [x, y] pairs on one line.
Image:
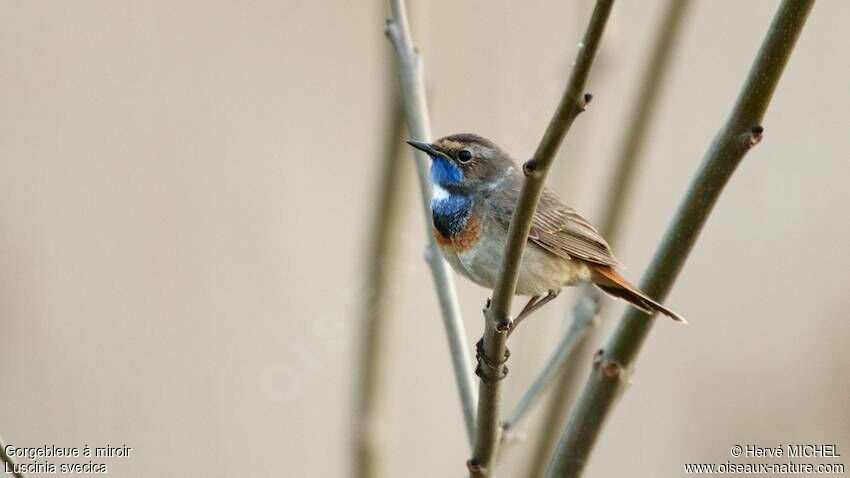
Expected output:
{"points": [[475, 188]]}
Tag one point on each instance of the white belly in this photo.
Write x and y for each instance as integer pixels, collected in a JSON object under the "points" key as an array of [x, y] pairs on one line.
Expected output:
{"points": [[540, 270]]}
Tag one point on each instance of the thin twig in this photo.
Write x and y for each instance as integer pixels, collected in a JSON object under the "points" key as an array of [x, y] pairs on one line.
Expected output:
{"points": [[497, 318], [584, 313], [419, 126], [736, 137], [8, 462], [626, 163], [369, 408]]}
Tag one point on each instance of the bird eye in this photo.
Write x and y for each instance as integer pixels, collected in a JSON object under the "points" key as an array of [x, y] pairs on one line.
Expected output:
{"points": [[464, 156]]}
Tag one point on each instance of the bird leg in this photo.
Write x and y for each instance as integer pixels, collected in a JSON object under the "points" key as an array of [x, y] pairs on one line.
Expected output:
{"points": [[535, 303], [531, 303]]}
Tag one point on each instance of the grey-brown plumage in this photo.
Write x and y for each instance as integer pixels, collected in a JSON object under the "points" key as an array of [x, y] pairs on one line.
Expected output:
{"points": [[476, 187]]}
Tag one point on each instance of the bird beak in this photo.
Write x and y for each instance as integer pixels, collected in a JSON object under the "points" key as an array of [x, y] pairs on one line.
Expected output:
{"points": [[426, 147]]}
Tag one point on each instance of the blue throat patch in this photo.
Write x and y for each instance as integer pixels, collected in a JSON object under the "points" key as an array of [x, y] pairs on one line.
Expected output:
{"points": [[450, 213], [445, 172]]}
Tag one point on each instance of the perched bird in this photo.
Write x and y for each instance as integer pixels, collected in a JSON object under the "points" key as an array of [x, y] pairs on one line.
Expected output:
{"points": [[475, 188]]}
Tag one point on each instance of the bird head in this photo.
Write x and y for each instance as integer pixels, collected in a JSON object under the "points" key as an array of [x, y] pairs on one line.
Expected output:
{"points": [[465, 163]]}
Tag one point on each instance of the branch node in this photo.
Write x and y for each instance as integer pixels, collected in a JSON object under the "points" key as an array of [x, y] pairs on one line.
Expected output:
{"points": [[597, 357], [505, 324], [474, 467], [611, 369], [756, 134], [529, 167], [751, 137], [390, 29], [511, 434], [587, 99]]}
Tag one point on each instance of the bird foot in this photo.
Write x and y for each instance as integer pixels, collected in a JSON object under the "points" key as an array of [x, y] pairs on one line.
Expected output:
{"points": [[493, 365]]}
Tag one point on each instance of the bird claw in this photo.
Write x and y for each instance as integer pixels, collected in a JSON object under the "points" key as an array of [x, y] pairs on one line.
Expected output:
{"points": [[494, 365]]}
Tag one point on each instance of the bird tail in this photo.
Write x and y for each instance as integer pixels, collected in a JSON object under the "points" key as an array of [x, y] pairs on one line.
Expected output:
{"points": [[607, 279]]}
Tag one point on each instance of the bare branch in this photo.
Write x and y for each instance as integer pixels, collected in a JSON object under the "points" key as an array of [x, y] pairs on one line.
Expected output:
{"points": [[418, 123], [497, 318], [626, 163], [643, 110], [736, 137], [368, 439], [8, 462]]}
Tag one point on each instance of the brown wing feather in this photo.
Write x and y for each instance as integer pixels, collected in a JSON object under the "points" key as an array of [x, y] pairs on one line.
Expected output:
{"points": [[562, 231], [613, 283]]}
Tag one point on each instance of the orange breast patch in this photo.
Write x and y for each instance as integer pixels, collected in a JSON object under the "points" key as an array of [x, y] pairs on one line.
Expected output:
{"points": [[467, 238]]}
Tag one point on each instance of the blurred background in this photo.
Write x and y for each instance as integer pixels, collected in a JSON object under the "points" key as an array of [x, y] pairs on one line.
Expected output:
{"points": [[186, 187]]}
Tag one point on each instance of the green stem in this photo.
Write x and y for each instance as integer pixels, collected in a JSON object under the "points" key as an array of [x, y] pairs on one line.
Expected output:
{"points": [[563, 389], [7, 460], [497, 314], [736, 137], [369, 407]]}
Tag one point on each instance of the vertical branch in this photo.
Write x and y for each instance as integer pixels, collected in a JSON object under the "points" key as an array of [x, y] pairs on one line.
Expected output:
{"points": [[626, 163], [493, 347], [640, 119], [368, 437], [419, 126], [736, 137]]}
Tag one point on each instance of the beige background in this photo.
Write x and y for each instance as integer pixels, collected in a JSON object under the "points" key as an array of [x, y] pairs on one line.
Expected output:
{"points": [[184, 188]]}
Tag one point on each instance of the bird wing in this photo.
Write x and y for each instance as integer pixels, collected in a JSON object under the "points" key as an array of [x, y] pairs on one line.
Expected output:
{"points": [[562, 231]]}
